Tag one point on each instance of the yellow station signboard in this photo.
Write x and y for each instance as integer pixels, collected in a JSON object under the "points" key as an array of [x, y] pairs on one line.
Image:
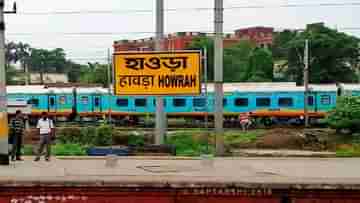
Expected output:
{"points": [[157, 73]]}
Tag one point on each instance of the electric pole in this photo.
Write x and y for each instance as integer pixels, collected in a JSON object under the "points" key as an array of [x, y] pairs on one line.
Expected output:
{"points": [[306, 82], [4, 157], [219, 94], [358, 62], [160, 113], [4, 146]]}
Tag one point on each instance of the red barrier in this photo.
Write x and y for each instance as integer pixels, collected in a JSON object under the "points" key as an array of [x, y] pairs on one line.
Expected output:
{"points": [[168, 195]]}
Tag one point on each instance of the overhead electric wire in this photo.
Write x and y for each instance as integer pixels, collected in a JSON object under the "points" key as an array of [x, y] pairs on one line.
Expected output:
{"points": [[140, 32], [79, 12]]}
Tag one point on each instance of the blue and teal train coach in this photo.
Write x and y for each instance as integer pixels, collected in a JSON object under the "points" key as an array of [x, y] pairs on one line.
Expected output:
{"points": [[283, 100], [57, 102]]}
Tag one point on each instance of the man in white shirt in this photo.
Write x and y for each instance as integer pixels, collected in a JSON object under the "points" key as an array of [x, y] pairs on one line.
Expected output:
{"points": [[46, 128]]}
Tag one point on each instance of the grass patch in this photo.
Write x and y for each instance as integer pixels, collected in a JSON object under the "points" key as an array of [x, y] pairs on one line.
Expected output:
{"points": [[58, 150], [193, 143], [197, 142], [239, 137], [348, 151]]}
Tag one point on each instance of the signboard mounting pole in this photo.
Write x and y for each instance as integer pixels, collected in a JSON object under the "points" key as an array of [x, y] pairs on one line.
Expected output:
{"points": [[160, 113], [219, 94]]}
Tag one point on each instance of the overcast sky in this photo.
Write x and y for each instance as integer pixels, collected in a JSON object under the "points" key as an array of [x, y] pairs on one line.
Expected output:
{"points": [[47, 31]]}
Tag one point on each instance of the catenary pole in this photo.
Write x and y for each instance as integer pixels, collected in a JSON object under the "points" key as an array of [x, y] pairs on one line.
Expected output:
{"points": [[205, 92], [219, 94], [306, 82], [4, 157], [160, 113], [358, 63]]}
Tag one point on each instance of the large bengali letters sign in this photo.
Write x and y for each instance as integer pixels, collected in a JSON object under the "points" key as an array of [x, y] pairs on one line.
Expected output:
{"points": [[157, 73]]}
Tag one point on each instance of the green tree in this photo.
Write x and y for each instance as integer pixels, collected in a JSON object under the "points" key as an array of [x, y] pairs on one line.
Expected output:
{"points": [[261, 66], [74, 71], [236, 61], [346, 115], [11, 74], [332, 56], [23, 53], [10, 54], [280, 45], [47, 61], [201, 43], [95, 73]]}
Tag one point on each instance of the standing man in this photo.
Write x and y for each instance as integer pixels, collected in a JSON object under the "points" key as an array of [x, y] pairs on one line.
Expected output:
{"points": [[46, 131], [17, 126]]}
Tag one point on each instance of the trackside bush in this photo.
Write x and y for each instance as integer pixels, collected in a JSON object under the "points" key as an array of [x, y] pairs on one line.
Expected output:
{"points": [[346, 115], [89, 136]]}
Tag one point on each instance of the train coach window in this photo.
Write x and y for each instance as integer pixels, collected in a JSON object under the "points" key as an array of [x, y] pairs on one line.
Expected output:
{"points": [[122, 102], [263, 102], [97, 101], [84, 100], [179, 102], [325, 100], [311, 101], [243, 102], [199, 102], [52, 101], [62, 100], [224, 102], [286, 102], [34, 102], [140, 102]]}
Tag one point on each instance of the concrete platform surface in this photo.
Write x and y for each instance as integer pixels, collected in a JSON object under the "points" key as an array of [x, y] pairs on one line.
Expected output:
{"points": [[281, 153], [276, 173]]}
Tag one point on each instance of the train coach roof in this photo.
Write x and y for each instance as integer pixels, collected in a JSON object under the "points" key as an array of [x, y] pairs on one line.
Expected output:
{"points": [[257, 87], [350, 87], [92, 90], [54, 90], [37, 89], [272, 87], [30, 89], [323, 87]]}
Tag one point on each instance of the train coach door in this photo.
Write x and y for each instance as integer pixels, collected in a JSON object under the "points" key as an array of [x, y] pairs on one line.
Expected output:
{"points": [[97, 103], [52, 104], [312, 103]]}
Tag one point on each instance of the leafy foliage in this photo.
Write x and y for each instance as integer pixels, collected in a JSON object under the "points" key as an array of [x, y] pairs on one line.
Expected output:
{"points": [[187, 144], [333, 55], [136, 140], [236, 62], [202, 43], [89, 136], [94, 74], [280, 45], [242, 61], [346, 115], [261, 66], [103, 136]]}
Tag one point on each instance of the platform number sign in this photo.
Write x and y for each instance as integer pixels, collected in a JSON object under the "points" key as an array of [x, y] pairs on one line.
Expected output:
{"points": [[157, 73]]}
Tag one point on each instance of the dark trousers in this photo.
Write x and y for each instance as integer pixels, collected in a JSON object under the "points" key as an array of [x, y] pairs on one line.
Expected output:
{"points": [[16, 147], [45, 142]]}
